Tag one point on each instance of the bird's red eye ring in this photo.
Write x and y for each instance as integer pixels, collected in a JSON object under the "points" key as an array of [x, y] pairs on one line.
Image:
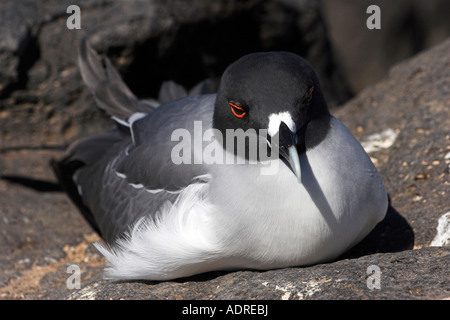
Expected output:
{"points": [[237, 110]]}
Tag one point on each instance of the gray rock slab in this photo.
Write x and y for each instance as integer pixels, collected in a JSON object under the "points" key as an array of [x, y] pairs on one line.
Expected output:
{"points": [[42, 234]]}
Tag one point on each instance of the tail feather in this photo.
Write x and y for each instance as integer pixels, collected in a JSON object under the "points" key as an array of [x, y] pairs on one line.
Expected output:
{"points": [[111, 93], [170, 91]]}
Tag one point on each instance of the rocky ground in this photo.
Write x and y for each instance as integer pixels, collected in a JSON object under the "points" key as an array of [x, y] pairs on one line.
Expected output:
{"points": [[403, 121]]}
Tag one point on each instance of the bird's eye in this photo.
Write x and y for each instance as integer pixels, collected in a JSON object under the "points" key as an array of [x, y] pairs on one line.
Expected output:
{"points": [[238, 111]]}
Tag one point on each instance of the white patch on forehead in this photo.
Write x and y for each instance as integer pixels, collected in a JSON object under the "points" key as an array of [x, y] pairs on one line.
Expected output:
{"points": [[275, 121]]}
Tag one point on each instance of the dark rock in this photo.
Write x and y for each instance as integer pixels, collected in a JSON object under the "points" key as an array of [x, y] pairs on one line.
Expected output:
{"points": [[413, 274], [42, 234], [149, 42], [407, 27]]}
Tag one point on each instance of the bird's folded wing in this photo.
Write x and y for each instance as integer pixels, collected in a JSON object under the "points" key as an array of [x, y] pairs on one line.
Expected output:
{"points": [[151, 158]]}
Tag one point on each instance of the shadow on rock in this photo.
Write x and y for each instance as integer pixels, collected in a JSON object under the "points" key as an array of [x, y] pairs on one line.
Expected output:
{"points": [[201, 277], [392, 234], [35, 184]]}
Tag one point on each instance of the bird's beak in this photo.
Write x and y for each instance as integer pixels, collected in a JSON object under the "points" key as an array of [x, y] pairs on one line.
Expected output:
{"points": [[288, 148]]}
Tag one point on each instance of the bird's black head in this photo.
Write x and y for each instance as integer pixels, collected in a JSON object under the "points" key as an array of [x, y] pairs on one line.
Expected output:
{"points": [[275, 91]]}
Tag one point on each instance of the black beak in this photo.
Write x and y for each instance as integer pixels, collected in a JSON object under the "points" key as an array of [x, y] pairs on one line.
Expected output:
{"points": [[288, 148]]}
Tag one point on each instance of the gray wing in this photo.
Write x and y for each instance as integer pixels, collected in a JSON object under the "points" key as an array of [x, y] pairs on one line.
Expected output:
{"points": [[134, 179], [150, 157], [119, 177]]}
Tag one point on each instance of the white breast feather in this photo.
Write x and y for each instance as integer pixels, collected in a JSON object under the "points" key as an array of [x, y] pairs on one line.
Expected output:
{"points": [[177, 245]]}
